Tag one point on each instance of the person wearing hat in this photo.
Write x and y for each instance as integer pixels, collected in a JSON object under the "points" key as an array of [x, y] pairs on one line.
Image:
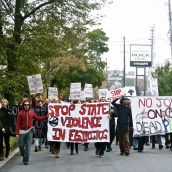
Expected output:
{"points": [[24, 129], [124, 122]]}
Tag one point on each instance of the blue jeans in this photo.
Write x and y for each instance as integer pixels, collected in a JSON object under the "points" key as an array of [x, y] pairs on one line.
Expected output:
{"points": [[25, 142], [135, 143]]}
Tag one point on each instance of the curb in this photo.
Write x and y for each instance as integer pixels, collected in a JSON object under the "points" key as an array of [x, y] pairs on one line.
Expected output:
{"points": [[2, 163]]}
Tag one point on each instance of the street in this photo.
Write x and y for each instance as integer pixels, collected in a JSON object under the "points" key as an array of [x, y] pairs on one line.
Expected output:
{"points": [[151, 160]]}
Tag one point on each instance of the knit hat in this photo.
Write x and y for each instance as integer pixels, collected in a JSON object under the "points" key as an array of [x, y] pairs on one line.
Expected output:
{"points": [[26, 101]]}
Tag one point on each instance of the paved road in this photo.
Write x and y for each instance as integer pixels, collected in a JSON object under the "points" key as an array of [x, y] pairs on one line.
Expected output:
{"points": [[151, 160]]}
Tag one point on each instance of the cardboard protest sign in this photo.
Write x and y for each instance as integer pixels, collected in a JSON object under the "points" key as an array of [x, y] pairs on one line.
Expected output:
{"points": [[78, 122], [151, 115], [35, 84], [75, 91], [52, 93], [88, 91], [103, 93]]}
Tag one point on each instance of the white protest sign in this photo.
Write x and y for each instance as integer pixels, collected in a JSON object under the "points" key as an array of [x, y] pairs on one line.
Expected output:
{"points": [[151, 115], [153, 83], [35, 84], [103, 93], [88, 91], [75, 91], [52, 93], [129, 91], [78, 122]]}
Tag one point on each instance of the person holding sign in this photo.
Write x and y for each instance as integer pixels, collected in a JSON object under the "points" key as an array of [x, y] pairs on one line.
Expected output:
{"points": [[24, 129], [124, 116], [101, 146], [72, 144]]}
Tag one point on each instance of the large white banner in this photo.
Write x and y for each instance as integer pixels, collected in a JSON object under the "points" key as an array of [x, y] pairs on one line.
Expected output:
{"points": [[35, 84], [151, 115], [78, 122]]}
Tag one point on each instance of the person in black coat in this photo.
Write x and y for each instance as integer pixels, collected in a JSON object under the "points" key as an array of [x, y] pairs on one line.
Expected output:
{"points": [[6, 121], [113, 114], [124, 119]]}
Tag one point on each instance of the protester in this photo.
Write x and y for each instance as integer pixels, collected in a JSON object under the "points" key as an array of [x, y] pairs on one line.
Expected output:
{"points": [[124, 116], [100, 146], [156, 139], [38, 140], [24, 129], [168, 140], [113, 114], [55, 145], [74, 144], [6, 121]]}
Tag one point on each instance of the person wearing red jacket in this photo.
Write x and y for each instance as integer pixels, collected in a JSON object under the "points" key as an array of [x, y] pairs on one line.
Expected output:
{"points": [[24, 129]]}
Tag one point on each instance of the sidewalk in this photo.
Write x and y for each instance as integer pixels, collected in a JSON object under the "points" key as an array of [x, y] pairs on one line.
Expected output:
{"points": [[10, 156]]}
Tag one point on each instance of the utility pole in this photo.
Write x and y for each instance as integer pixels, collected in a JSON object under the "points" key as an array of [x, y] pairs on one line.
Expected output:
{"points": [[124, 62], [170, 29], [152, 46], [107, 73]]}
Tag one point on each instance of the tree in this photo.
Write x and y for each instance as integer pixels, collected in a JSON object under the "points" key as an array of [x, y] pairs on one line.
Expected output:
{"points": [[31, 33], [164, 75]]}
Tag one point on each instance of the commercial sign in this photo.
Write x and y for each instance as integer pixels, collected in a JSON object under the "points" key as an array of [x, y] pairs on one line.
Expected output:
{"points": [[140, 55]]}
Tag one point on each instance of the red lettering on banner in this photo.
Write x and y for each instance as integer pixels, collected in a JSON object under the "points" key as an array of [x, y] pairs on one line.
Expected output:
{"points": [[94, 109], [59, 134], [83, 110], [146, 102], [65, 110], [85, 136], [102, 108], [84, 122], [91, 109], [51, 113], [57, 107], [116, 93], [61, 109]]}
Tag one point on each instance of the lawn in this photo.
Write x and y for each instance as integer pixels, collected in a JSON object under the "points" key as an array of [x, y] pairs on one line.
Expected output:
{"points": [[13, 143]]}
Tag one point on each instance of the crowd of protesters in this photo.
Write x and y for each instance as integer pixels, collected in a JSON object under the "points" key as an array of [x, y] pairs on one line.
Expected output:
{"points": [[27, 117]]}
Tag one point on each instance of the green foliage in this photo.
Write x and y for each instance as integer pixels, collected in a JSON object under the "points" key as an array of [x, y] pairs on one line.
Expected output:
{"points": [[52, 38], [164, 75]]}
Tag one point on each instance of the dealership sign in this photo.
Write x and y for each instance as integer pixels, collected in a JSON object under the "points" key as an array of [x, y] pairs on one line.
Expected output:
{"points": [[140, 55]]}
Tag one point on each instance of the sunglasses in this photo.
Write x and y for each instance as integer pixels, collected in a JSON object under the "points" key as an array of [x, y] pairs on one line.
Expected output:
{"points": [[26, 104]]}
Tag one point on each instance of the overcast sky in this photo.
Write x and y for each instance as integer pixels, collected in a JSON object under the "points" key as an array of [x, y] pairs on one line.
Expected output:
{"points": [[134, 19]]}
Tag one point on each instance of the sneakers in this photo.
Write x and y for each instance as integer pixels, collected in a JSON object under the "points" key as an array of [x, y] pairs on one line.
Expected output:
{"points": [[101, 156], [85, 149], [160, 146], [140, 151], [153, 147], [109, 149], [127, 153], [26, 163], [39, 148], [36, 149], [97, 152]]}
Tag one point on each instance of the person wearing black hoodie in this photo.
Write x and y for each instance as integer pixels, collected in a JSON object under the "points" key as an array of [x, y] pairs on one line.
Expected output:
{"points": [[6, 121], [124, 122]]}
